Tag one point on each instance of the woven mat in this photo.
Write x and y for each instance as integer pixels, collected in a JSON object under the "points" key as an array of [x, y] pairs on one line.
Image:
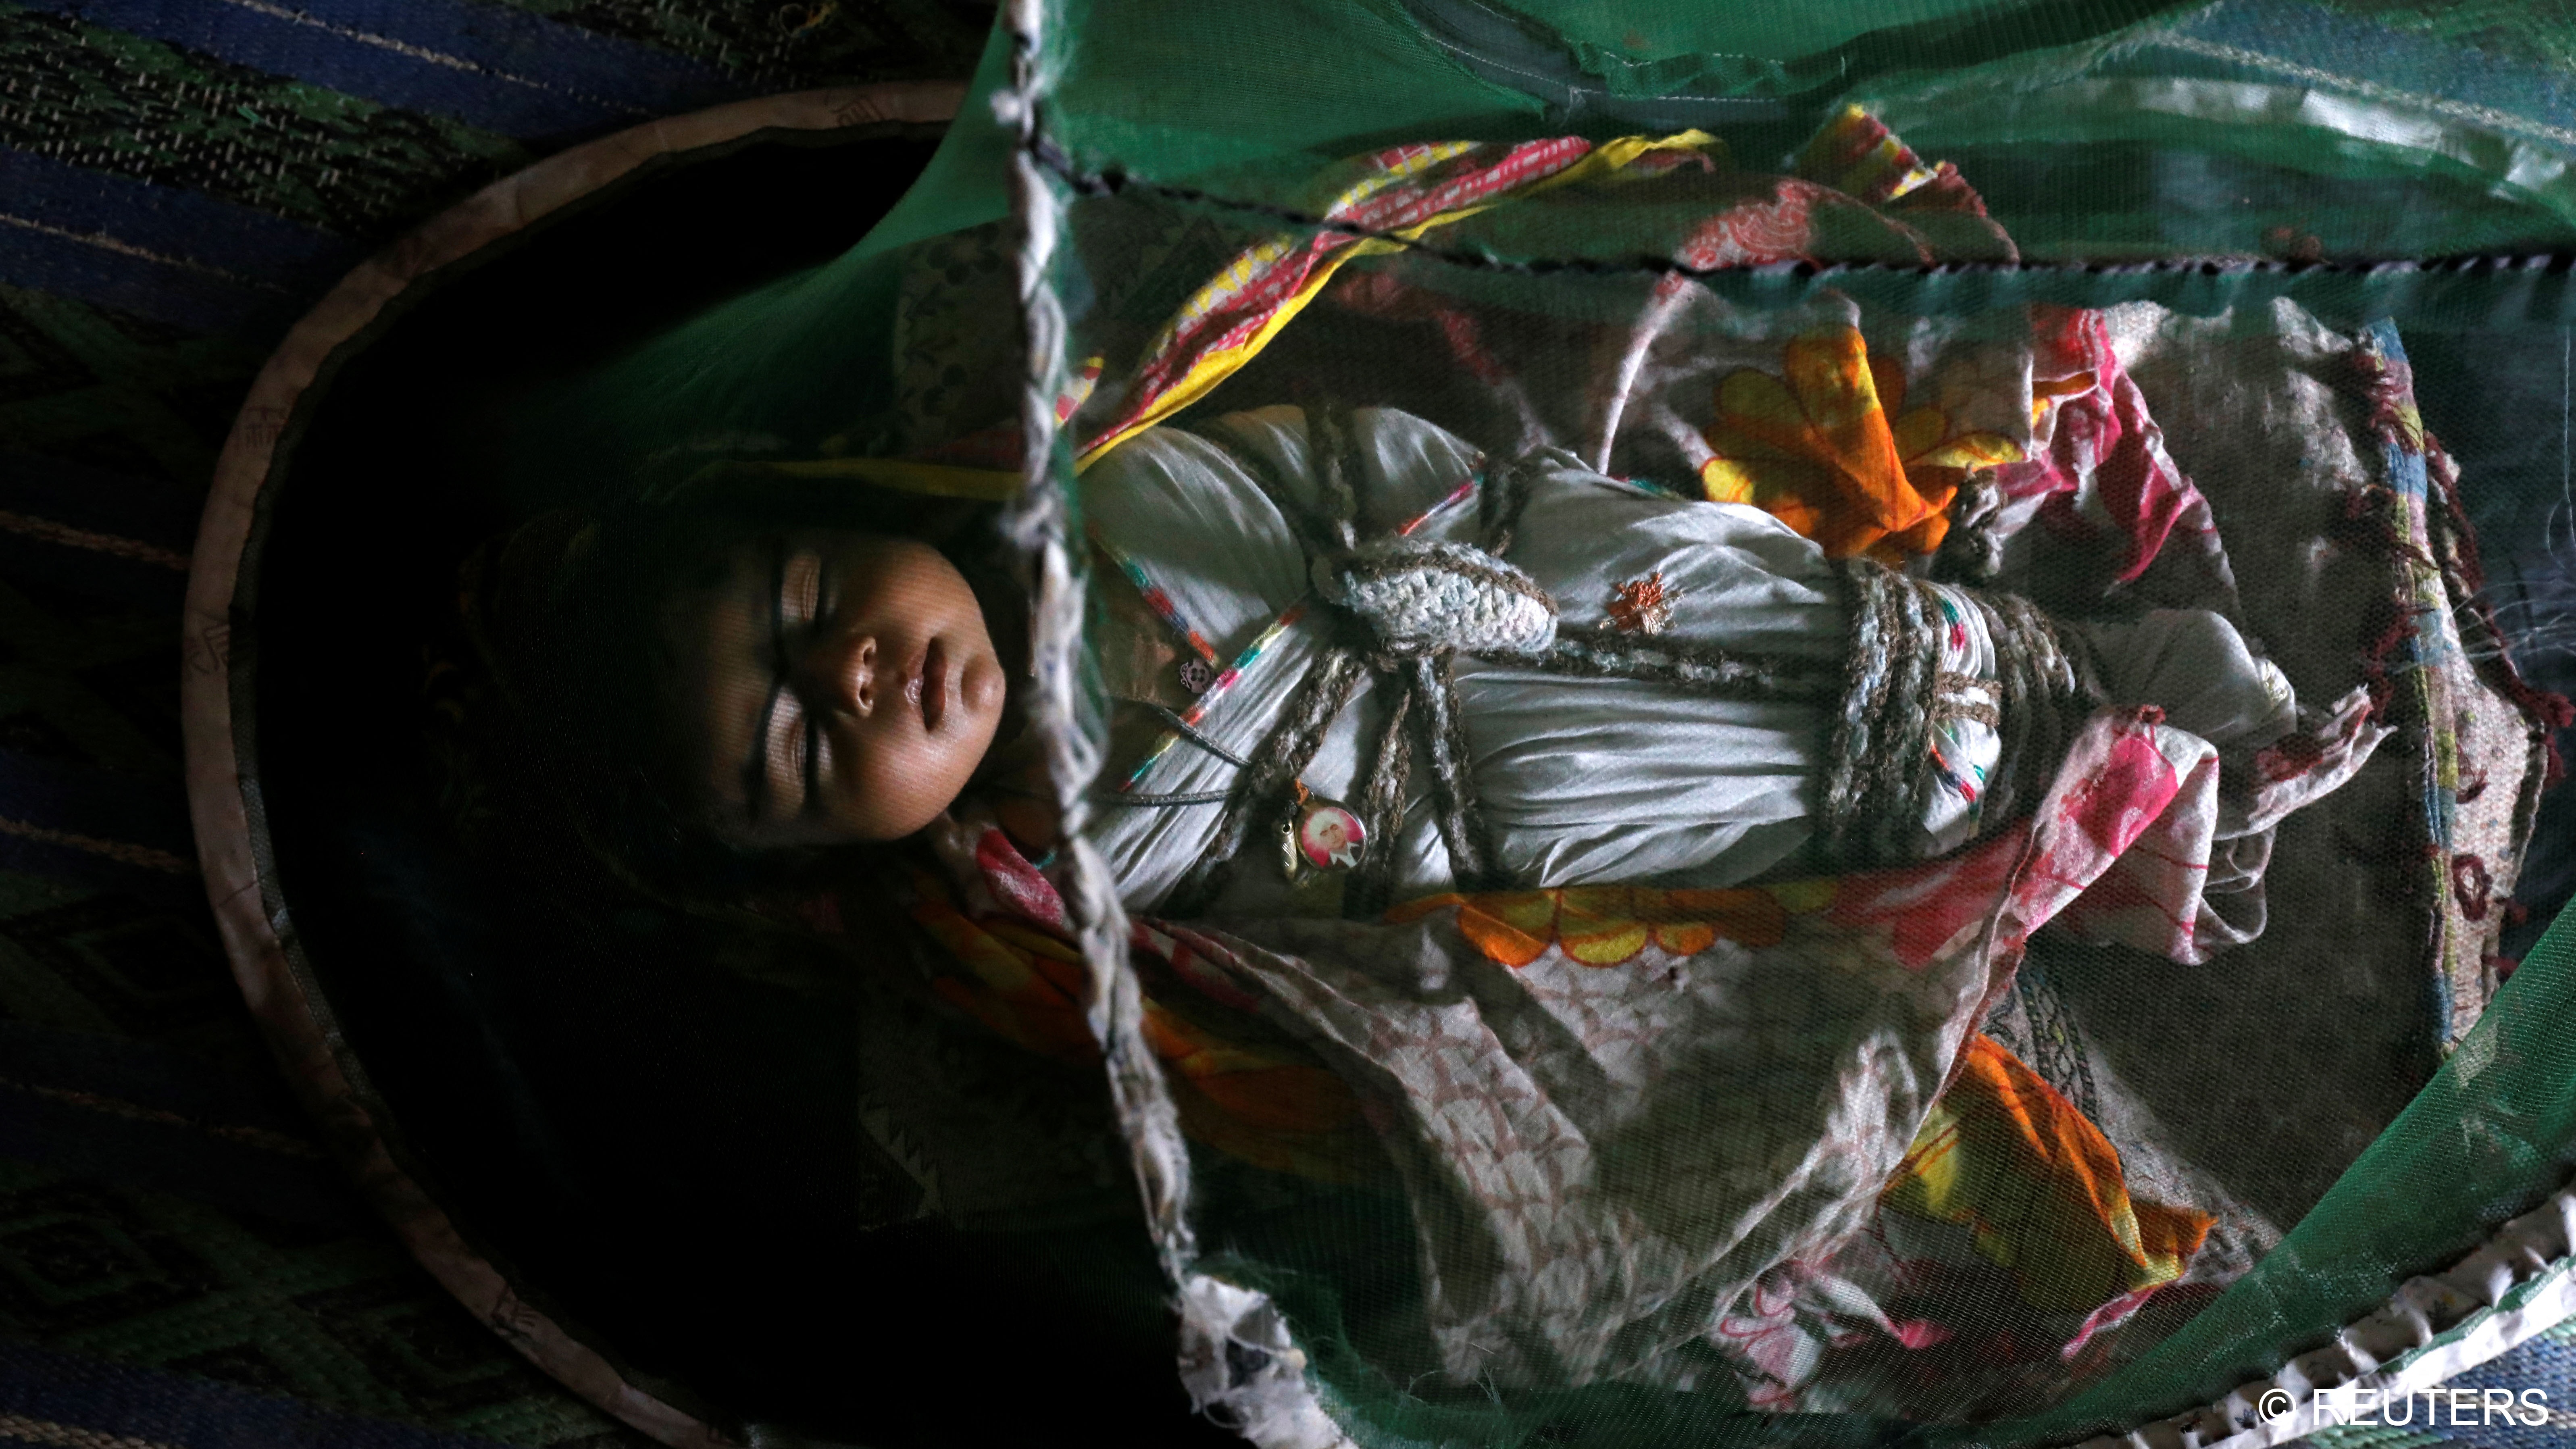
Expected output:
{"points": [[179, 1264]]}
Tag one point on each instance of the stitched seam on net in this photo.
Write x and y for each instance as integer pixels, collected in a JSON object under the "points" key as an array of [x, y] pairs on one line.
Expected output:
{"points": [[2422, 1311], [1054, 159]]}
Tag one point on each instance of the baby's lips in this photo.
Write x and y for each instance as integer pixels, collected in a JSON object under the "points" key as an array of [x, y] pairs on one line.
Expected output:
{"points": [[928, 688]]}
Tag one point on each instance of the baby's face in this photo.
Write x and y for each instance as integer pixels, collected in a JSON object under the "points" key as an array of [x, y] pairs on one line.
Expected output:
{"points": [[834, 686]]}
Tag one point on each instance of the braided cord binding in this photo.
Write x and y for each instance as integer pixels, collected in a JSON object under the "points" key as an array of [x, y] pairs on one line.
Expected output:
{"points": [[1443, 741], [1900, 769], [1333, 449], [1878, 781], [1381, 804], [1505, 494], [1876, 624], [2050, 684], [1262, 788], [1602, 653]]}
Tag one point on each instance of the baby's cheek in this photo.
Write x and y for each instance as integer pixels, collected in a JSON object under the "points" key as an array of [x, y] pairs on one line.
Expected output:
{"points": [[903, 784]]}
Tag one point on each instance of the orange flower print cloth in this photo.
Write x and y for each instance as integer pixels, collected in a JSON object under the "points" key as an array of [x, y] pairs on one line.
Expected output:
{"points": [[2040, 1188], [1606, 925], [1829, 448]]}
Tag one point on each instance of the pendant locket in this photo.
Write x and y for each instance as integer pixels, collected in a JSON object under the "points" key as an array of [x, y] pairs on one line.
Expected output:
{"points": [[1322, 835]]}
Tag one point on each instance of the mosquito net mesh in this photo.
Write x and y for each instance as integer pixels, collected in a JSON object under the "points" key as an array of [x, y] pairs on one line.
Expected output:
{"points": [[1722, 723]]}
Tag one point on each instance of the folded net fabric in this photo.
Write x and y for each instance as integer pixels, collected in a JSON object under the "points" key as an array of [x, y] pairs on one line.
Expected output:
{"points": [[2013, 790]]}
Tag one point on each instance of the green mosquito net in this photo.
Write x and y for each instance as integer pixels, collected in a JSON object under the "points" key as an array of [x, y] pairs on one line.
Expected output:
{"points": [[1710, 724]]}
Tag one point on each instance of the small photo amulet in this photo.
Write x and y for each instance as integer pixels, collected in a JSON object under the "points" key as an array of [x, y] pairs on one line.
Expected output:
{"points": [[1327, 836]]}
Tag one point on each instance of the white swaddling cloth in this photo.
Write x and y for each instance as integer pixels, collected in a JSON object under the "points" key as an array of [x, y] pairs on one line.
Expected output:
{"points": [[1579, 779]]}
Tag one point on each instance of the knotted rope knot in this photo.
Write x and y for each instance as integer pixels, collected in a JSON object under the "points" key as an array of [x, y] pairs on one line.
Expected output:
{"points": [[1422, 599], [1878, 777]]}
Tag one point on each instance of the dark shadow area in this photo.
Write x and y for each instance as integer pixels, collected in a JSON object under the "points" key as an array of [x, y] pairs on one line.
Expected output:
{"points": [[668, 1153]]}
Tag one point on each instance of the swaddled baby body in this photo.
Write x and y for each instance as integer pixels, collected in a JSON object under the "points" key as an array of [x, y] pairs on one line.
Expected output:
{"points": [[1584, 777], [1717, 700]]}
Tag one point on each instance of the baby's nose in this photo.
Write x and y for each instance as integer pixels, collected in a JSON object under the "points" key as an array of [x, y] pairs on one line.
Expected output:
{"points": [[841, 673]]}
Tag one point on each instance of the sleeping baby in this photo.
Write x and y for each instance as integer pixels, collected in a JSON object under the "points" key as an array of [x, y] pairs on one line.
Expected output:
{"points": [[1345, 650]]}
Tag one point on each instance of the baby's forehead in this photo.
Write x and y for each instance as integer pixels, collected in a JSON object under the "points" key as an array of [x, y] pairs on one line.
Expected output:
{"points": [[742, 553], [733, 563], [714, 590], [712, 650], [716, 620]]}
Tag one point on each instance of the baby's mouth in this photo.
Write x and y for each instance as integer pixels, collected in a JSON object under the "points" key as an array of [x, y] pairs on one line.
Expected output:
{"points": [[930, 686]]}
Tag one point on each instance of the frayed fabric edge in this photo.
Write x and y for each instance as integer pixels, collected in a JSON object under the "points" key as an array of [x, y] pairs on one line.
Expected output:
{"points": [[2511, 1288], [1237, 1358]]}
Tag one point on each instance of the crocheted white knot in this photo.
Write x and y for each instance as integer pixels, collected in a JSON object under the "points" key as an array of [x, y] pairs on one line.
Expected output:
{"points": [[1422, 598]]}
